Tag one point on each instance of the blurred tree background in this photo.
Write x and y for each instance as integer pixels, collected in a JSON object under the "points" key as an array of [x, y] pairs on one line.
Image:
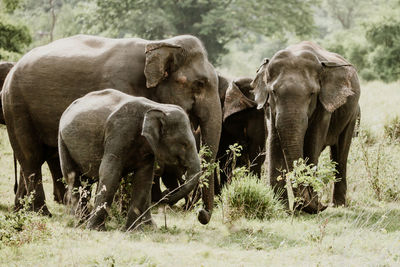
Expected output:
{"points": [[238, 34]]}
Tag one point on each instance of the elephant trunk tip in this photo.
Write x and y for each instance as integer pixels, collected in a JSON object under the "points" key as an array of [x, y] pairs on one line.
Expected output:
{"points": [[204, 216], [312, 210]]}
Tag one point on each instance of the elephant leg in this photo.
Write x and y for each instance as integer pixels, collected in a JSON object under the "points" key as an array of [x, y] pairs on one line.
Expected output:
{"points": [[139, 212], [80, 195], [31, 184], [156, 193], [29, 151], [58, 185], [339, 154], [110, 173], [256, 132], [171, 177]]}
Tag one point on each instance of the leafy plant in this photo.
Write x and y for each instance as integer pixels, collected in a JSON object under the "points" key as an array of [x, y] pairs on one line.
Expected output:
{"points": [[392, 129], [22, 226], [247, 196]]}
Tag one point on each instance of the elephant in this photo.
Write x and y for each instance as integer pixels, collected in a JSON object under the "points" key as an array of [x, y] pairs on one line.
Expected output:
{"points": [[5, 68], [107, 134], [242, 123], [52, 162], [312, 97], [46, 80]]}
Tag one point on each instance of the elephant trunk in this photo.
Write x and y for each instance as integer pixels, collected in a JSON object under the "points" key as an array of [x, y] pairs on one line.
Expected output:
{"points": [[291, 135], [193, 175], [210, 118]]}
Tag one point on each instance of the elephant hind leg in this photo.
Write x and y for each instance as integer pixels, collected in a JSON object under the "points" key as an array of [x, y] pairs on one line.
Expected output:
{"points": [[29, 150], [58, 185], [79, 186]]}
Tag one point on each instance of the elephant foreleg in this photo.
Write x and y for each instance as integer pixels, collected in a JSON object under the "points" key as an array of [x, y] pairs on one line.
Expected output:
{"points": [[139, 212], [110, 173], [339, 154]]}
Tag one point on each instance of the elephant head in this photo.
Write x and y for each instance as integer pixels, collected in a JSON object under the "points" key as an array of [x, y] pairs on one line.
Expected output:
{"points": [[293, 84], [169, 134], [181, 63]]}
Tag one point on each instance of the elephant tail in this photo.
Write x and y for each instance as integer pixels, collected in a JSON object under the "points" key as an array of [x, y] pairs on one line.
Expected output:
{"points": [[15, 174], [68, 166]]}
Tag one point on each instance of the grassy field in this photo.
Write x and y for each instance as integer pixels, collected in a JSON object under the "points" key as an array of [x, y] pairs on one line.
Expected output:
{"points": [[366, 233]]}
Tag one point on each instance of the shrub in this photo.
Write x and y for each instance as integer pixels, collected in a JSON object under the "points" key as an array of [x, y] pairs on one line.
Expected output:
{"points": [[381, 169], [23, 226], [247, 196], [392, 129], [305, 175]]}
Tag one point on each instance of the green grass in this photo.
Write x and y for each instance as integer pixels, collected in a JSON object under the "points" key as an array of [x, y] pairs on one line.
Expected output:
{"points": [[366, 233]]}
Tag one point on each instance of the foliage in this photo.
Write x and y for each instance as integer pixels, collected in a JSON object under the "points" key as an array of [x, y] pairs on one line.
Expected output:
{"points": [[385, 38], [207, 166], [22, 226], [249, 197], [317, 177], [381, 173], [215, 22], [14, 36], [392, 129]]}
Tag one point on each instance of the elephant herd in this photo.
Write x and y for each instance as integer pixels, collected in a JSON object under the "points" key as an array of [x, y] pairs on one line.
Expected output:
{"points": [[97, 109]]}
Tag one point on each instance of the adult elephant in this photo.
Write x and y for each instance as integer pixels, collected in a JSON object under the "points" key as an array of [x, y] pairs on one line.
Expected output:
{"points": [[52, 162], [243, 124], [312, 95], [49, 78]]}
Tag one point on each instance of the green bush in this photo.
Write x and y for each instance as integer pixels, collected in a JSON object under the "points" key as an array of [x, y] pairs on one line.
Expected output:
{"points": [[392, 129], [23, 226], [247, 196]]}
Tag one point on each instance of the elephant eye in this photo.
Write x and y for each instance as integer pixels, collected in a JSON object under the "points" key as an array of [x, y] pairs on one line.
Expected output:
{"points": [[199, 83]]}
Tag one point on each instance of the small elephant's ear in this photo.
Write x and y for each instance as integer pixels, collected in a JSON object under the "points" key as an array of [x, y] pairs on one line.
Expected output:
{"points": [[260, 85], [236, 101], [335, 84], [161, 58], [152, 129]]}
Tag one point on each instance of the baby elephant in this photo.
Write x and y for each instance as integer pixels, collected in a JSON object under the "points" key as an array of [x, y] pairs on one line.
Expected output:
{"points": [[107, 134]]}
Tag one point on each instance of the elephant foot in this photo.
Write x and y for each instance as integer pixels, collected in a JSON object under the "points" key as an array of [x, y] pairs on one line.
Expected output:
{"points": [[204, 216], [339, 202], [101, 227], [313, 210]]}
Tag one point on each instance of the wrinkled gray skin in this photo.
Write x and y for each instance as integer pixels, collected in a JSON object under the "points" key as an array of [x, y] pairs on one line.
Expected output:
{"points": [[52, 162], [312, 95], [49, 78], [107, 134]]}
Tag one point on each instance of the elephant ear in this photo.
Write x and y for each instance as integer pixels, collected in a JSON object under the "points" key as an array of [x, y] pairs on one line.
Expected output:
{"points": [[335, 84], [161, 58], [260, 85], [152, 129], [236, 101]]}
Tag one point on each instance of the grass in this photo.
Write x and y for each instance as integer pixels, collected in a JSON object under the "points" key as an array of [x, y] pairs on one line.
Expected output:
{"points": [[366, 233]]}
